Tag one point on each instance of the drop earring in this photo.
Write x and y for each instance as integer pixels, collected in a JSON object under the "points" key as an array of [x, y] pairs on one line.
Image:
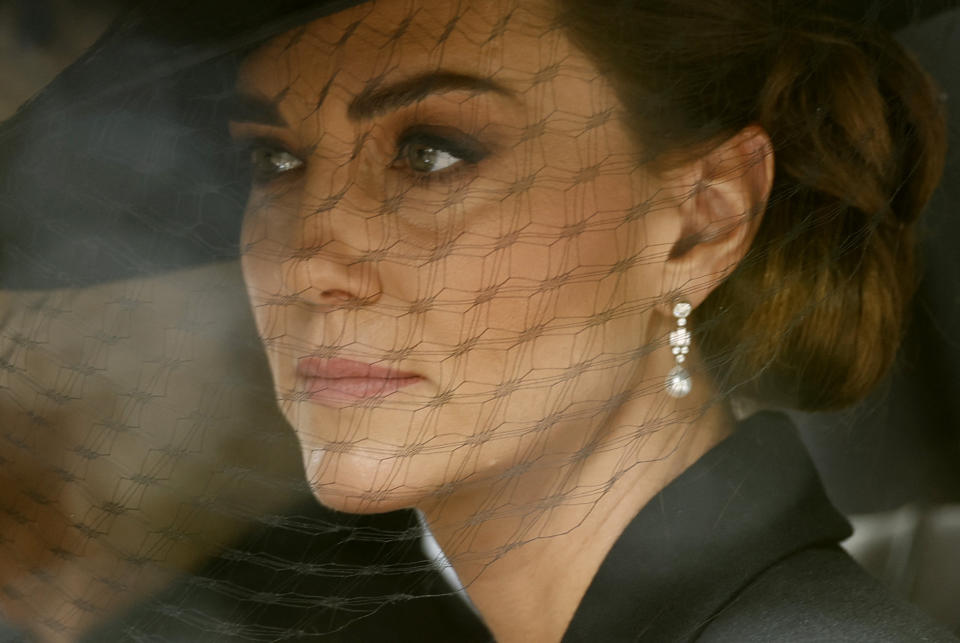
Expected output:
{"points": [[678, 379]]}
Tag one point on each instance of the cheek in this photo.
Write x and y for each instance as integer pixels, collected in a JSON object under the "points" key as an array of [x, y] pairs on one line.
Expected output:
{"points": [[262, 277], [271, 232]]}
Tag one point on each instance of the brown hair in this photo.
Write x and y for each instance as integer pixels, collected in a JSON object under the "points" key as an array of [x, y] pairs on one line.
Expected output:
{"points": [[814, 314]]}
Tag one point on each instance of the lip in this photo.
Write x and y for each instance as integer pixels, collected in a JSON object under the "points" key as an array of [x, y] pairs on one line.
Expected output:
{"points": [[339, 382]]}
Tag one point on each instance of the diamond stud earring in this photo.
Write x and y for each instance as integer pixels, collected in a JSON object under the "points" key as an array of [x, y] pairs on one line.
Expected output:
{"points": [[678, 379]]}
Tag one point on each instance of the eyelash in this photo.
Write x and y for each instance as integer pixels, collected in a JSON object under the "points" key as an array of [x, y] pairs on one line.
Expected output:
{"points": [[267, 147], [447, 141], [467, 151]]}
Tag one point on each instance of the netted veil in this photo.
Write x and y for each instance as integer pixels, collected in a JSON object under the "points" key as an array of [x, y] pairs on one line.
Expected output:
{"points": [[486, 236]]}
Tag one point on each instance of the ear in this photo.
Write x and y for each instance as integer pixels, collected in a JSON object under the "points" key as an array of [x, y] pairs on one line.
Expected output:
{"points": [[720, 213]]}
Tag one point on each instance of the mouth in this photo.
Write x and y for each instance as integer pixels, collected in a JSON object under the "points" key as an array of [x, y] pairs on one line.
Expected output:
{"points": [[339, 382]]}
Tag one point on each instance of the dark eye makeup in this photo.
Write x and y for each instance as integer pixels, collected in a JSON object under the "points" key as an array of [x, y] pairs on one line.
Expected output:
{"points": [[420, 144], [422, 151], [267, 158]]}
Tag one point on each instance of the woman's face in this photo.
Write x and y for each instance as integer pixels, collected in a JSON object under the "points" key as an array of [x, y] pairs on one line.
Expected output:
{"points": [[450, 248]]}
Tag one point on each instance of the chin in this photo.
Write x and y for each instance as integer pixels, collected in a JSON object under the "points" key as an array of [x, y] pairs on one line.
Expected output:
{"points": [[354, 504], [356, 484]]}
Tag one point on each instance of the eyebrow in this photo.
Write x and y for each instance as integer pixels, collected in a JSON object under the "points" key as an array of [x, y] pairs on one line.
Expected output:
{"points": [[246, 108], [377, 100], [372, 101]]}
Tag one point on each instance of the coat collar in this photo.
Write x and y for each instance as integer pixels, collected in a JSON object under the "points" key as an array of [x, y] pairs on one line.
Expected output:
{"points": [[749, 502]]}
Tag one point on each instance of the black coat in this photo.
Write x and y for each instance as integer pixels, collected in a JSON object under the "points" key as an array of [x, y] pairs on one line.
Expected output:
{"points": [[743, 546]]}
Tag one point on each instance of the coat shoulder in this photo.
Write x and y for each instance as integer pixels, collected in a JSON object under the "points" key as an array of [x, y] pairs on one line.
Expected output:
{"points": [[820, 595]]}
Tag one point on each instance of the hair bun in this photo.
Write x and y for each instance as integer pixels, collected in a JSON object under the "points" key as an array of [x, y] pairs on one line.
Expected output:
{"points": [[858, 132]]}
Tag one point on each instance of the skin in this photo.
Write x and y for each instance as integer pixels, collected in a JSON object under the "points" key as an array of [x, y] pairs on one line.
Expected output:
{"points": [[513, 265]]}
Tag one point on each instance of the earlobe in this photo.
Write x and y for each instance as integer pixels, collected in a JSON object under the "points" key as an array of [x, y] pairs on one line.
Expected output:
{"points": [[721, 213]]}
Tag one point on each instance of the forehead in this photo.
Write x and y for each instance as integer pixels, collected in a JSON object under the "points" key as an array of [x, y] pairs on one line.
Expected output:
{"points": [[375, 39]]}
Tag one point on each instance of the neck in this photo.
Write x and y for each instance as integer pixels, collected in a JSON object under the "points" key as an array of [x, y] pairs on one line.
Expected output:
{"points": [[527, 548]]}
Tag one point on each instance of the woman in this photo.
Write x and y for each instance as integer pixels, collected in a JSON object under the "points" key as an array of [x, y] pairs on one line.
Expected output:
{"points": [[476, 234], [522, 265]]}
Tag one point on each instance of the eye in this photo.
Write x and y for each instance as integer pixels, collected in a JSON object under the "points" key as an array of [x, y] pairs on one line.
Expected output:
{"points": [[270, 162], [426, 158], [430, 150]]}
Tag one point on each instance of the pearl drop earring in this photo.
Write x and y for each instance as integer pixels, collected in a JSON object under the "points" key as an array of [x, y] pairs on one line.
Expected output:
{"points": [[678, 379]]}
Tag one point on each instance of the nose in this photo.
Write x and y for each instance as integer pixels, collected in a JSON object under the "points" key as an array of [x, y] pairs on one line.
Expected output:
{"points": [[334, 251], [327, 282]]}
